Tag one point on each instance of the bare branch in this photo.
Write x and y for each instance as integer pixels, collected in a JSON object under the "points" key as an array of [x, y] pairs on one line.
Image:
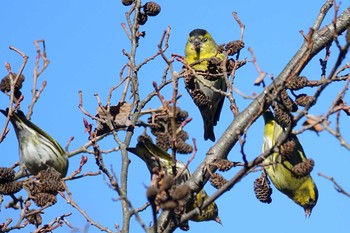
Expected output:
{"points": [[337, 187]]}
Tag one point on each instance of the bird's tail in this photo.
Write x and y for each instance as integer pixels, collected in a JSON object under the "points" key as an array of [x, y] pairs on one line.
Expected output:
{"points": [[209, 131]]}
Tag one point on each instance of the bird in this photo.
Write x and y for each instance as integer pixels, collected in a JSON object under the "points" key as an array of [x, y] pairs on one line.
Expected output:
{"points": [[301, 189], [199, 49], [154, 157], [37, 149]]}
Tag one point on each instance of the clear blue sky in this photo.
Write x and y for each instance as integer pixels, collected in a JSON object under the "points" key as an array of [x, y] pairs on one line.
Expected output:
{"points": [[84, 40]]}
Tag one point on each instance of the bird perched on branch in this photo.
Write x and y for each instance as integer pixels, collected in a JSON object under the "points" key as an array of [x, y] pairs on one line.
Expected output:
{"points": [[158, 159], [289, 169], [37, 149], [204, 85]]}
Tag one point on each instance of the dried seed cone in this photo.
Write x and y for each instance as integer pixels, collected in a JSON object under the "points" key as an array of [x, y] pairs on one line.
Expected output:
{"points": [[142, 18], [162, 196], [240, 63], [41, 199], [213, 67], [6, 174], [303, 169], [151, 193], [34, 219], [287, 101], [168, 205], [180, 192], [217, 180], [163, 141], [180, 208], [296, 82], [282, 117], [10, 187], [127, 2], [167, 182], [161, 127], [5, 85], [262, 190], [287, 149], [49, 181], [49, 174], [234, 47], [183, 147], [51, 186], [181, 114], [151, 8], [32, 187], [234, 65], [230, 65], [305, 100], [183, 135], [223, 164], [189, 82], [199, 98]]}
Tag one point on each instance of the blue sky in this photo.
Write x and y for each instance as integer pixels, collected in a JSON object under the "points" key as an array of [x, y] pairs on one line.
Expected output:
{"points": [[84, 40]]}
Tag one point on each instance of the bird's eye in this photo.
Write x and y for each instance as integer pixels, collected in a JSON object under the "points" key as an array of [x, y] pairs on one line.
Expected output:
{"points": [[204, 39], [190, 40]]}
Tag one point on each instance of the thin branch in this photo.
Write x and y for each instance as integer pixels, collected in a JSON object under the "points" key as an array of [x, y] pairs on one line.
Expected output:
{"points": [[337, 187], [36, 73]]}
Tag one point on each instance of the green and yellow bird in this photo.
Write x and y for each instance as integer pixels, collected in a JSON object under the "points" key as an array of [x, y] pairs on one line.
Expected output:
{"points": [[302, 190], [151, 154], [37, 149], [200, 45]]}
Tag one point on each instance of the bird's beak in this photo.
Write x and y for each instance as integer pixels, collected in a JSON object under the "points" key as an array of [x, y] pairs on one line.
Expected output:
{"points": [[218, 220], [307, 211], [197, 45]]}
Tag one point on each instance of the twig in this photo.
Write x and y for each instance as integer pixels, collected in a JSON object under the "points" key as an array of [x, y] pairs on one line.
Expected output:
{"points": [[71, 201], [240, 24], [337, 187], [54, 224], [13, 82], [36, 73], [261, 73]]}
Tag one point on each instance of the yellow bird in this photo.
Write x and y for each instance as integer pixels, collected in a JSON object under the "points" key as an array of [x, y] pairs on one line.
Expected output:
{"points": [[151, 154], [302, 190], [200, 45]]}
